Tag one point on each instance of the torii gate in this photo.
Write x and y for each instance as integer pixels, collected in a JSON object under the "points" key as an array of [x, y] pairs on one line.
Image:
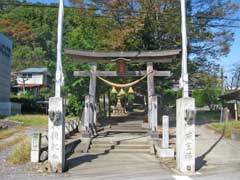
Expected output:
{"points": [[185, 118], [148, 57]]}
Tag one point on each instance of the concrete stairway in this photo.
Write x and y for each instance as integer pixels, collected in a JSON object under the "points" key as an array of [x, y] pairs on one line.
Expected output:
{"points": [[125, 135], [100, 146], [128, 124]]}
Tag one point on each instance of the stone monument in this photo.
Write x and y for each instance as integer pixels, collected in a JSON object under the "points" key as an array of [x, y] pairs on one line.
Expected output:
{"points": [[56, 134], [185, 156]]}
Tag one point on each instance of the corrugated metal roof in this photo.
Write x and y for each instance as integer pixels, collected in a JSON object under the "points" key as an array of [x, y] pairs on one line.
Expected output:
{"points": [[34, 70], [235, 95]]}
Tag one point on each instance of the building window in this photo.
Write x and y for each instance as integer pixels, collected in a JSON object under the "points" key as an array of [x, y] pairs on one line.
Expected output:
{"points": [[26, 76]]}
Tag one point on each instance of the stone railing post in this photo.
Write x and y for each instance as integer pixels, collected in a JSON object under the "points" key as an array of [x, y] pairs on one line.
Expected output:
{"points": [[35, 147], [165, 132]]}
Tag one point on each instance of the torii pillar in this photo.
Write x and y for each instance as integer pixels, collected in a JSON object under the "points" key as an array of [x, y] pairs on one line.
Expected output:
{"points": [[152, 102]]}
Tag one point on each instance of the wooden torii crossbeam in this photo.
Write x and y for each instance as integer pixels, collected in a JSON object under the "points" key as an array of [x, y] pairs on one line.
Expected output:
{"points": [[164, 56], [129, 73]]}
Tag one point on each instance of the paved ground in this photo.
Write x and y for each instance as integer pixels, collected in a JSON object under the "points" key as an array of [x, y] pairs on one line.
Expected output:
{"points": [[214, 152], [217, 159]]}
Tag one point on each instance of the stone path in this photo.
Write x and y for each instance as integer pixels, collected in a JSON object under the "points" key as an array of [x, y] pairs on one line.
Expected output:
{"points": [[217, 158], [214, 152]]}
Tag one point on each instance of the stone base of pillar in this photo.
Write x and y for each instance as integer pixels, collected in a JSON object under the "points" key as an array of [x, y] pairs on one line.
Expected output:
{"points": [[154, 135], [86, 135], [166, 153]]}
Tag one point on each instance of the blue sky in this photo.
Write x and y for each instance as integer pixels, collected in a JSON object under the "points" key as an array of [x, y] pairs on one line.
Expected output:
{"points": [[226, 62]]}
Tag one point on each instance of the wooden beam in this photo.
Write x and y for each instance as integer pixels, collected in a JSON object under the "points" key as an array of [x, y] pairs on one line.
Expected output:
{"points": [[166, 59], [163, 56], [129, 73]]}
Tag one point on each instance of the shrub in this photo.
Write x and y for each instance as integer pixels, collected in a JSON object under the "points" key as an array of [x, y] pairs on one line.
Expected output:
{"points": [[199, 97]]}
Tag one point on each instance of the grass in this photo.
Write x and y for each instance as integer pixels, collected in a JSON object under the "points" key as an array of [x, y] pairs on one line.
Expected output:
{"points": [[10, 143], [31, 119], [226, 128], [21, 154], [7, 132]]}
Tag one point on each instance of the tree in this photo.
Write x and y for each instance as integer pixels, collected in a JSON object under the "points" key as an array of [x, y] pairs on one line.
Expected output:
{"points": [[25, 57], [234, 82], [21, 32], [152, 25], [206, 82]]}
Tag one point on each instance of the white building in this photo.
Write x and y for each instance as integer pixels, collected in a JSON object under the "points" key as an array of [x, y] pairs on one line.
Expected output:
{"points": [[6, 107], [34, 79]]}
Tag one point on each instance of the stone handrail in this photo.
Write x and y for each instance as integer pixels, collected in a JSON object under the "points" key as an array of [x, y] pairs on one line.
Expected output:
{"points": [[39, 146]]}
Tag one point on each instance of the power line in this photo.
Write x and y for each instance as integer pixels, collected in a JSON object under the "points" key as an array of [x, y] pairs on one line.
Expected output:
{"points": [[116, 10]]}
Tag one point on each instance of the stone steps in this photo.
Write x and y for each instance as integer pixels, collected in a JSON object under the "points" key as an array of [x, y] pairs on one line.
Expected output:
{"points": [[100, 146], [122, 142], [120, 146], [123, 130], [103, 150]]}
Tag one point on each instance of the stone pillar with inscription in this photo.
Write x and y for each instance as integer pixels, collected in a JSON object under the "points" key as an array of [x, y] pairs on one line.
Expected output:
{"points": [[56, 134], [185, 132]]}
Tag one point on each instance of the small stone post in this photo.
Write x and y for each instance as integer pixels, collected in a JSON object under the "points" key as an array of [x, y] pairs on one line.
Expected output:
{"points": [[165, 151], [186, 135], [35, 147], [56, 134], [165, 132]]}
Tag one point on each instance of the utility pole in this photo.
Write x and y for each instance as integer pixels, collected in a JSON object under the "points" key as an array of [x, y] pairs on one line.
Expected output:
{"points": [[184, 75], [222, 92], [222, 81]]}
